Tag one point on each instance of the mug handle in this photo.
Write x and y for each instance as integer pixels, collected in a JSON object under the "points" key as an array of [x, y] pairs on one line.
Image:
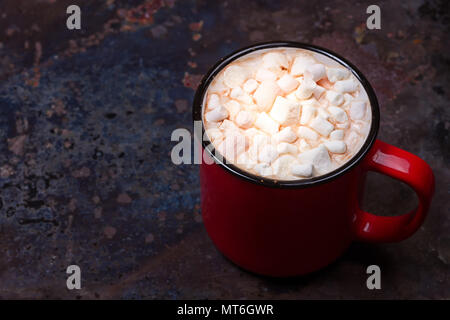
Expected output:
{"points": [[406, 167]]}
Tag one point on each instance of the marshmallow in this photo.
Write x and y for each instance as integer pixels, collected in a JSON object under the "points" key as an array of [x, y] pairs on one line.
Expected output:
{"points": [[244, 119], [265, 75], [305, 89], [318, 157], [343, 125], [315, 72], [218, 86], [345, 86], [285, 135], [282, 166], [285, 111], [302, 170], [228, 127], [307, 133], [263, 169], [334, 98], [322, 126], [357, 110], [300, 64], [286, 148], [311, 102], [303, 145], [239, 94], [336, 146], [287, 83], [266, 123], [265, 95], [291, 96], [323, 113], [275, 61], [337, 134], [352, 139], [234, 76], [213, 101], [259, 141], [233, 108], [216, 114], [214, 134], [250, 85], [360, 127], [335, 74], [246, 161], [348, 98], [267, 154], [318, 91], [233, 146], [338, 114], [252, 132]]}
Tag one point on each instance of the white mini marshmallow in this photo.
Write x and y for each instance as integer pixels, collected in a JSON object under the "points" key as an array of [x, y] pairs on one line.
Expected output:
{"points": [[287, 83], [233, 108], [228, 127], [285, 135], [335, 74], [284, 147], [214, 134], [265, 75], [322, 126], [305, 89], [338, 114], [318, 157], [275, 60], [216, 114], [239, 94], [337, 134], [267, 154], [307, 133], [345, 86], [303, 145], [285, 111], [291, 96], [348, 98], [300, 64], [343, 125], [266, 123], [259, 141], [323, 113], [246, 161], [213, 101], [357, 110], [318, 91], [265, 95], [233, 146], [336, 146], [234, 76], [334, 98], [250, 85], [302, 170], [315, 72], [244, 119], [252, 132], [263, 169], [282, 166]]}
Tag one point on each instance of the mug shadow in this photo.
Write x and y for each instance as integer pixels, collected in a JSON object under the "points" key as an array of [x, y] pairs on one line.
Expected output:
{"points": [[363, 254]]}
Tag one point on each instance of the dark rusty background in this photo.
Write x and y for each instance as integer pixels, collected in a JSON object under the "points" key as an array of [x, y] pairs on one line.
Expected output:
{"points": [[85, 124]]}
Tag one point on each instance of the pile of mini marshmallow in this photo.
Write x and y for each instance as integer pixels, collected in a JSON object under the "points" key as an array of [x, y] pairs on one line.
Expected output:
{"points": [[282, 114]]}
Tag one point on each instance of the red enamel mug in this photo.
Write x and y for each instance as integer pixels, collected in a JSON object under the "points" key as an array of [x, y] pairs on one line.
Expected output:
{"points": [[290, 228]]}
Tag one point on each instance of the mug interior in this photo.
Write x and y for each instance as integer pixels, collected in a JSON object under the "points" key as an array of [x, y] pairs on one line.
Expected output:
{"points": [[209, 147]]}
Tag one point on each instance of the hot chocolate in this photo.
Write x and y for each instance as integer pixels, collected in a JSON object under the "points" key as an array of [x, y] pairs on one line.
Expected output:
{"points": [[286, 113]]}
